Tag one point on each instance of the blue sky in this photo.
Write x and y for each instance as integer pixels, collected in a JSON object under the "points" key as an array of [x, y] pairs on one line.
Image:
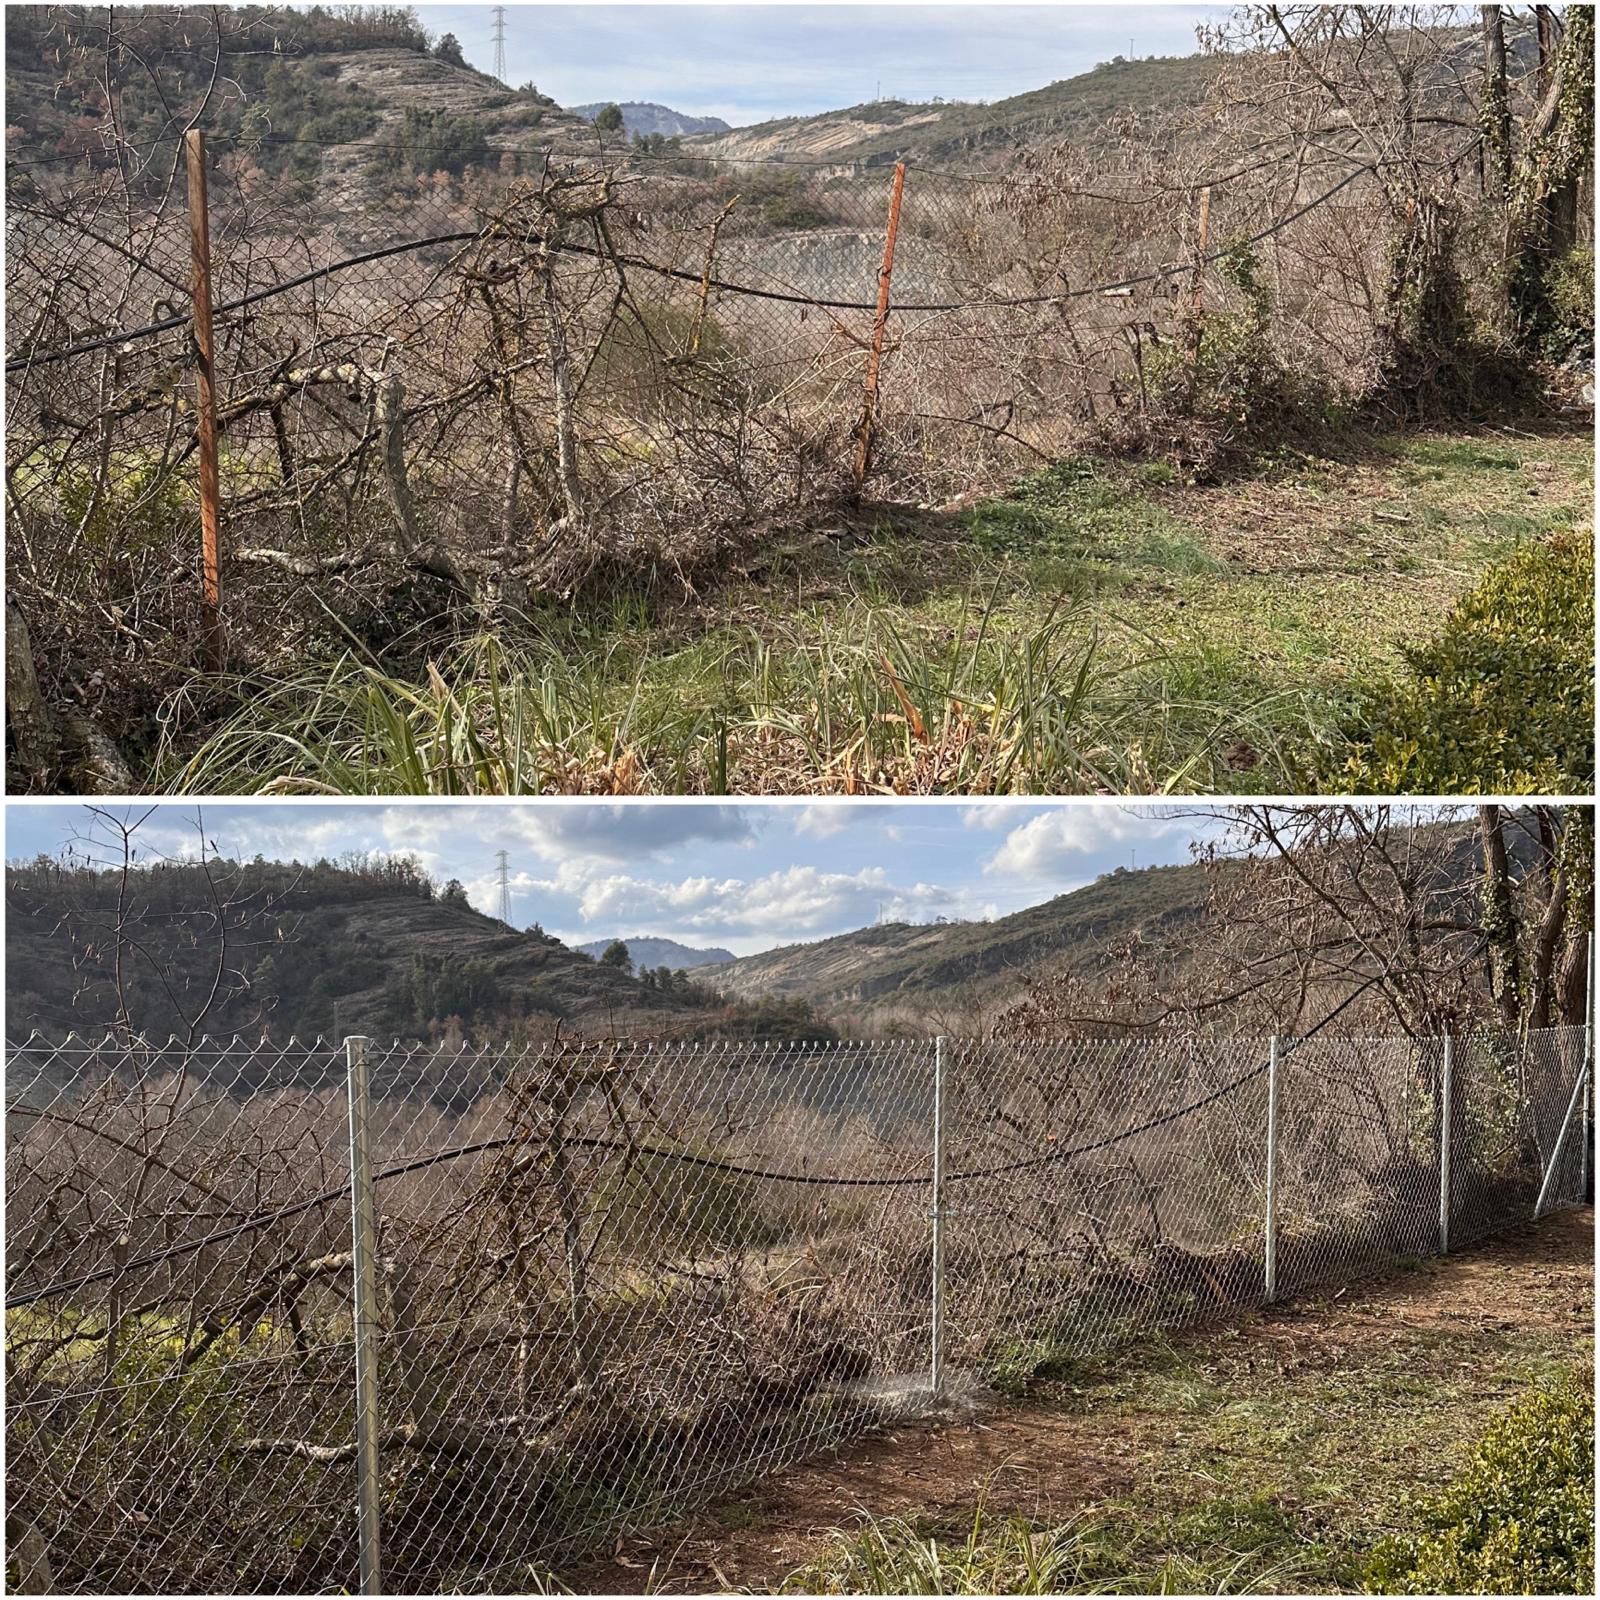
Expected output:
{"points": [[745, 877], [751, 62]]}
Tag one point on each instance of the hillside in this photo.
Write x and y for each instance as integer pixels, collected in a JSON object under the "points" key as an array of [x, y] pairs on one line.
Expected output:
{"points": [[332, 952], [900, 965], [647, 954], [643, 118], [891, 130], [305, 94], [901, 975]]}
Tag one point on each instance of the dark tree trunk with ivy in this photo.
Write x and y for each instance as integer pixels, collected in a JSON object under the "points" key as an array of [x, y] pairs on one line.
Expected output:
{"points": [[1556, 158]]}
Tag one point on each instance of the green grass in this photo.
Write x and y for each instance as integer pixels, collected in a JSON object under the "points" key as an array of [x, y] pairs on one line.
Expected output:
{"points": [[1242, 1548], [1335, 1447], [1100, 627], [870, 699]]}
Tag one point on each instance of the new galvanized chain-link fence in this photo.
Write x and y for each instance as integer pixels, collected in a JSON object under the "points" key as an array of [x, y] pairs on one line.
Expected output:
{"points": [[608, 1281]]}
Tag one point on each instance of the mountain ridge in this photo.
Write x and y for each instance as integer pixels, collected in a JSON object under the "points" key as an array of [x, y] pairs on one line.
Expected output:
{"points": [[646, 117], [885, 131], [904, 964], [649, 952], [322, 952]]}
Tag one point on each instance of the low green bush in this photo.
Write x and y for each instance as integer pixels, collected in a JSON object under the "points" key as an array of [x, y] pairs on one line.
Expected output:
{"points": [[1519, 1518], [1222, 396], [1501, 699], [1570, 281]]}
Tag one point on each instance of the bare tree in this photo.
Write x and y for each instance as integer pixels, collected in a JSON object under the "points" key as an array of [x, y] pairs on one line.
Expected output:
{"points": [[1417, 920]]}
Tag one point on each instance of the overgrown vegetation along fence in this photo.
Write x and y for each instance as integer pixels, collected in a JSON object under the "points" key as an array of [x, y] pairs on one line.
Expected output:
{"points": [[606, 1281], [505, 379]]}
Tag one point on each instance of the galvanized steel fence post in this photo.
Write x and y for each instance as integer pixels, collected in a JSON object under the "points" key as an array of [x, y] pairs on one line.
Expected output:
{"points": [[1272, 1171], [364, 1271], [937, 1213], [1560, 1146], [1447, 1072]]}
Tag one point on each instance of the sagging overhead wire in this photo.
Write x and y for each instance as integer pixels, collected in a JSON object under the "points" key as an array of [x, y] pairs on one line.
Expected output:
{"points": [[683, 1158], [638, 264]]}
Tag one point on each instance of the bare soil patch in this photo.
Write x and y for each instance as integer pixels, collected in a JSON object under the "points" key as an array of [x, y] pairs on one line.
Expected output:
{"points": [[1332, 1403]]}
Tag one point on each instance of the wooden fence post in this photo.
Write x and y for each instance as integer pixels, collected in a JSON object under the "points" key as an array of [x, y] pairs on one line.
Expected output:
{"points": [[869, 410], [205, 400]]}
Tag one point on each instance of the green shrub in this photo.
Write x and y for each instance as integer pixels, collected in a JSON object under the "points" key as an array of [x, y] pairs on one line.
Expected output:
{"points": [[1221, 395], [1518, 1520], [1570, 285], [1501, 700]]}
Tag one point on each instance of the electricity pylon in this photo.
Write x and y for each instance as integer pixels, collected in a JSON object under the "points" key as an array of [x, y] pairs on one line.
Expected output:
{"points": [[504, 911], [500, 43]]}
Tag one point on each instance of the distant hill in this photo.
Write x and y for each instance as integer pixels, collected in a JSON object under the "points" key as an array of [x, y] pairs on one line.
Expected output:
{"points": [[322, 950], [891, 130], [902, 967], [306, 93], [903, 975], [644, 117], [650, 953]]}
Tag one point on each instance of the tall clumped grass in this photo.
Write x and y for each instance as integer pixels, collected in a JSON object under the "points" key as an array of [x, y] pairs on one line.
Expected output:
{"points": [[975, 708], [1012, 1555]]}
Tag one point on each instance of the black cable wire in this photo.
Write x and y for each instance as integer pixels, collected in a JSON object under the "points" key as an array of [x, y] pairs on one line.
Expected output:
{"points": [[682, 1157], [167, 324], [102, 341]]}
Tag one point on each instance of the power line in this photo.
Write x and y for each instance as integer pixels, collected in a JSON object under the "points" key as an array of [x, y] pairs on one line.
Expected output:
{"points": [[722, 285], [684, 1158]]}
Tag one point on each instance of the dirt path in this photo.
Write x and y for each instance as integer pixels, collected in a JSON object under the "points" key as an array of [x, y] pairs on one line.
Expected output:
{"points": [[1315, 1401]]}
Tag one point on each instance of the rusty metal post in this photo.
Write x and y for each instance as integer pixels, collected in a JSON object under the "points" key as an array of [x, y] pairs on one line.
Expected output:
{"points": [[880, 323], [205, 399], [1202, 237]]}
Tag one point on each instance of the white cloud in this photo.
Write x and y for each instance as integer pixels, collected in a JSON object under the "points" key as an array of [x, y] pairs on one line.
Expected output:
{"points": [[990, 816], [795, 900], [821, 822], [1049, 843]]}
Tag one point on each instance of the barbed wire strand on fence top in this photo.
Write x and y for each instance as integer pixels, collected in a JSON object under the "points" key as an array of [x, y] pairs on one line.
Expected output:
{"points": [[35, 359], [682, 1157]]}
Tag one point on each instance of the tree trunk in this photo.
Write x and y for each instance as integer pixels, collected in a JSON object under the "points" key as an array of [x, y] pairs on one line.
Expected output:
{"points": [[1557, 149], [1499, 921], [1496, 105]]}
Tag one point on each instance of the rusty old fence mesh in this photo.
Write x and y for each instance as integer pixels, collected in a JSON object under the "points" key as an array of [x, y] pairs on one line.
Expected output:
{"points": [[519, 374], [608, 1281]]}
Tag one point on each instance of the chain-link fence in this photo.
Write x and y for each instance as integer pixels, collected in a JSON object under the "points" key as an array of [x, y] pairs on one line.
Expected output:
{"points": [[608, 1281], [508, 375]]}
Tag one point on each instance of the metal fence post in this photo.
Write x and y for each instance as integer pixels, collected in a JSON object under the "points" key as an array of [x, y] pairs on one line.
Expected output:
{"points": [[937, 1214], [1559, 1150], [880, 323], [1272, 1171], [1202, 238], [1588, 1057], [364, 1271], [205, 414], [1447, 1073]]}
